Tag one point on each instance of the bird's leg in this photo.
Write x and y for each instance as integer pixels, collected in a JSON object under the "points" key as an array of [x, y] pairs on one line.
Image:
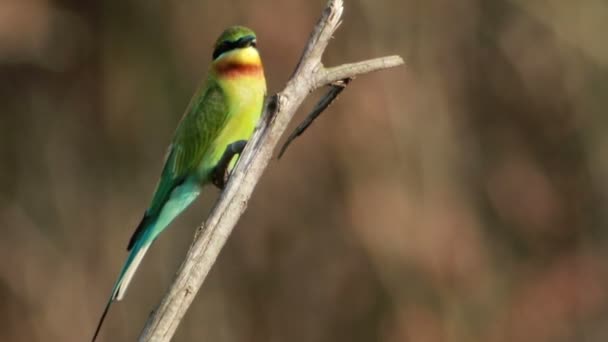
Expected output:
{"points": [[220, 173]]}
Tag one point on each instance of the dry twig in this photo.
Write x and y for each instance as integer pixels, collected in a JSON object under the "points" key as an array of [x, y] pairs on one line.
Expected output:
{"points": [[279, 110], [332, 94]]}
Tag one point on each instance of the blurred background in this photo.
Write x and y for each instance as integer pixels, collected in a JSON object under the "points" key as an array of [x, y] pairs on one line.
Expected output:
{"points": [[460, 198]]}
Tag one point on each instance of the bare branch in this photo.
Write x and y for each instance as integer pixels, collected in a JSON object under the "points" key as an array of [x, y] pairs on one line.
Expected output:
{"points": [[331, 75], [319, 38], [279, 110]]}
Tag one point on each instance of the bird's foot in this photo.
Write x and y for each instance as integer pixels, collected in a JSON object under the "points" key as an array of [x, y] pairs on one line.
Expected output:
{"points": [[221, 171]]}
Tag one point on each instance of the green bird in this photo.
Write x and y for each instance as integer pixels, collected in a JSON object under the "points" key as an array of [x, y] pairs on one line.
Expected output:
{"points": [[223, 111]]}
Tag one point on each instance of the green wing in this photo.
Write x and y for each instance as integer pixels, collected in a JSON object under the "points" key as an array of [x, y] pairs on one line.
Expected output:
{"points": [[202, 122]]}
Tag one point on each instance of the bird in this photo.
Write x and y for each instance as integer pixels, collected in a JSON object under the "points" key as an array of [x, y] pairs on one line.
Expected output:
{"points": [[222, 114]]}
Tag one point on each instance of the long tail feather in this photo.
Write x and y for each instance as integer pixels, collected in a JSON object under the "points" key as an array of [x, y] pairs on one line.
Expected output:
{"points": [[103, 317], [126, 275], [138, 253], [146, 232]]}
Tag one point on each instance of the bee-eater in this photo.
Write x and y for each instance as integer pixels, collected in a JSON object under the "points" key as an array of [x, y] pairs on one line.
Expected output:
{"points": [[224, 110]]}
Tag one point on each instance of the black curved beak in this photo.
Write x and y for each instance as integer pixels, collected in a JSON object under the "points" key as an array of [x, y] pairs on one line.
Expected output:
{"points": [[246, 42]]}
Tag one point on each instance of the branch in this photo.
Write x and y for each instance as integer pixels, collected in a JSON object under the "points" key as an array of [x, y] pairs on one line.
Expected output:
{"points": [[279, 110], [332, 94], [330, 75]]}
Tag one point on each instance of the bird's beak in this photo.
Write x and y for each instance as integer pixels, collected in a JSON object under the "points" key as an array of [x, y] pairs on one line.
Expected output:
{"points": [[247, 42]]}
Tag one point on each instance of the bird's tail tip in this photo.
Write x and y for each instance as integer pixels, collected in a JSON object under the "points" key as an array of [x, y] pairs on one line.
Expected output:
{"points": [[103, 317], [123, 282]]}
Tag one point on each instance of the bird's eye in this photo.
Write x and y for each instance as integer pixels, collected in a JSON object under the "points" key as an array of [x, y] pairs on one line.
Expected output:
{"points": [[223, 47]]}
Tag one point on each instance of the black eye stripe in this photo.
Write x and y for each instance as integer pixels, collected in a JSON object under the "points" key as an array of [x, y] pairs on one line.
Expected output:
{"points": [[227, 46]]}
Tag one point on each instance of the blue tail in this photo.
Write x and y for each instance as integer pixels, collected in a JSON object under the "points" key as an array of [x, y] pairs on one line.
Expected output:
{"points": [[126, 274], [147, 231]]}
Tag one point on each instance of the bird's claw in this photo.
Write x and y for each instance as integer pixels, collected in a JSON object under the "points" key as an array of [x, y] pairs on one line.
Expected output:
{"points": [[221, 172]]}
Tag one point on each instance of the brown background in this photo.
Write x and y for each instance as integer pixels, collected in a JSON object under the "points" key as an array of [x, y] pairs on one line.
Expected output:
{"points": [[460, 198]]}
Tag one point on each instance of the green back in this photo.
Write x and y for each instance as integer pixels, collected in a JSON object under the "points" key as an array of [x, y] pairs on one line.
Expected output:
{"points": [[202, 122]]}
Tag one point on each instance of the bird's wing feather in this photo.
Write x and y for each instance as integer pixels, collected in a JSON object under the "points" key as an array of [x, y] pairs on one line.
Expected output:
{"points": [[202, 122]]}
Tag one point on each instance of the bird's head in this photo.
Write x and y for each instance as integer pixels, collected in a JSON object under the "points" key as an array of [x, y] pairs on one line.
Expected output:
{"points": [[233, 39], [235, 52]]}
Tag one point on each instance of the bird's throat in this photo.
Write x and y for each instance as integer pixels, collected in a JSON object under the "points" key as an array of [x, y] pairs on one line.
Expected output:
{"points": [[238, 63], [236, 69]]}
